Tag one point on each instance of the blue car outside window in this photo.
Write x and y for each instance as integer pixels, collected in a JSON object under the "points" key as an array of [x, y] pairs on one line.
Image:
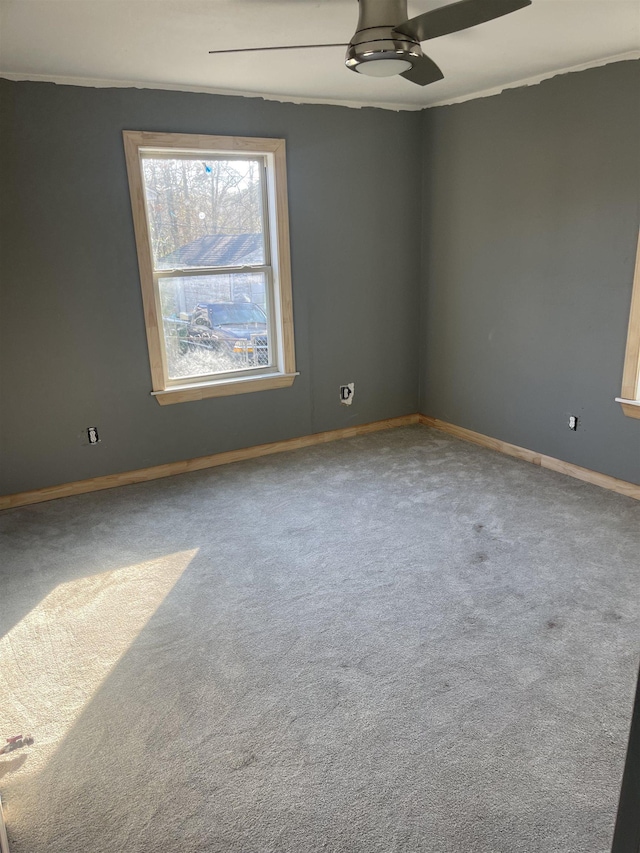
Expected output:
{"points": [[236, 315]]}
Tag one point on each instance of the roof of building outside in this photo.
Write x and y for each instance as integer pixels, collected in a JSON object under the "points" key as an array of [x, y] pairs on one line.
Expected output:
{"points": [[216, 250]]}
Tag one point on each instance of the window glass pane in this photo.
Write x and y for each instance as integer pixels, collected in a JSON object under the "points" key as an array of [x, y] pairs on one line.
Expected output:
{"points": [[215, 323], [204, 213]]}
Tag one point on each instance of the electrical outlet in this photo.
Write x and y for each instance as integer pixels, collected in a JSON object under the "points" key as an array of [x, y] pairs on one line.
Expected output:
{"points": [[92, 435], [346, 394], [573, 422]]}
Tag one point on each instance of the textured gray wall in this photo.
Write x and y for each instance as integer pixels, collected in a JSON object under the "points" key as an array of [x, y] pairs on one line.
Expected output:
{"points": [[530, 223], [73, 348]]}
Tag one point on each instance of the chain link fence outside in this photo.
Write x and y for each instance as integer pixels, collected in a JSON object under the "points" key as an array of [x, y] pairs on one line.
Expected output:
{"points": [[189, 358]]}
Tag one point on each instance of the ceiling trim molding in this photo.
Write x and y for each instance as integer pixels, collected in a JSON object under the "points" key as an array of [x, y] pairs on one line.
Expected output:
{"points": [[99, 83], [539, 78]]}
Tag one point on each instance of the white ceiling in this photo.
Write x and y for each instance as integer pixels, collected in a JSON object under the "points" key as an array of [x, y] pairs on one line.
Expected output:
{"points": [[165, 44]]}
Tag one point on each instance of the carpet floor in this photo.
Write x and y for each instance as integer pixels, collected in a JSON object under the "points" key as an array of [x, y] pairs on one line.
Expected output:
{"points": [[399, 643]]}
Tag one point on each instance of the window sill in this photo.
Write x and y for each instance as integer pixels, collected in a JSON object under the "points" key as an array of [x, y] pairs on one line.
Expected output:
{"points": [[223, 388], [631, 408]]}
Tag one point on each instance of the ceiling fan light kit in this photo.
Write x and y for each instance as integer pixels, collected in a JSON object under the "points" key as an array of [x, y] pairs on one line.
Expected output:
{"points": [[380, 66], [387, 43], [379, 59], [376, 49]]}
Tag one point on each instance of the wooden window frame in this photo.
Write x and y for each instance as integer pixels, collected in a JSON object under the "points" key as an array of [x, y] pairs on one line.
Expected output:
{"points": [[283, 373], [630, 395]]}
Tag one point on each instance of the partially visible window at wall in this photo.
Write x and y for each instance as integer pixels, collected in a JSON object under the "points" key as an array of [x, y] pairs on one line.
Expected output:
{"points": [[211, 224], [630, 395]]}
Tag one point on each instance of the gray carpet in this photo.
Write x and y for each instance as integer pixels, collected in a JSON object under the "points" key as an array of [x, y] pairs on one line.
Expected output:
{"points": [[393, 643]]}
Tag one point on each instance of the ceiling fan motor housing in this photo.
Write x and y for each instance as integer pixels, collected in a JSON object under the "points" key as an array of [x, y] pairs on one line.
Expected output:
{"points": [[375, 40]]}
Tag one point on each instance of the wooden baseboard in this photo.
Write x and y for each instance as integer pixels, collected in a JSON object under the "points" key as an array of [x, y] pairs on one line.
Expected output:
{"points": [[142, 475], [603, 480]]}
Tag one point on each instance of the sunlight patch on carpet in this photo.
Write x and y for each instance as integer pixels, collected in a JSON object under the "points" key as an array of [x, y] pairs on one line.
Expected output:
{"points": [[58, 655]]}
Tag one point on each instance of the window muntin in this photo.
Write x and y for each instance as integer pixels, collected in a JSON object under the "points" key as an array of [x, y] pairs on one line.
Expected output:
{"points": [[211, 222]]}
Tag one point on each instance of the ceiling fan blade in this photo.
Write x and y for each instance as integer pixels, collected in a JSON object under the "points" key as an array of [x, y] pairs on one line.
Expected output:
{"points": [[281, 47], [457, 16], [423, 72]]}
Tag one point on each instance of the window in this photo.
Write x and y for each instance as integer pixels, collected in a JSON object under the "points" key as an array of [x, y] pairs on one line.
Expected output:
{"points": [[630, 395], [211, 225]]}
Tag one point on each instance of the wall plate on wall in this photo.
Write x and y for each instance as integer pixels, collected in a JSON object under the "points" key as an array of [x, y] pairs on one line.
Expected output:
{"points": [[346, 393]]}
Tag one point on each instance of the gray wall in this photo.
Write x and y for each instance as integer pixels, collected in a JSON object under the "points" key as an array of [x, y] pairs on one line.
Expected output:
{"points": [[73, 348], [530, 225], [528, 217]]}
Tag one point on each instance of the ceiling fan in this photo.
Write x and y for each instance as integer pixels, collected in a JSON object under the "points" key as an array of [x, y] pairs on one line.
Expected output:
{"points": [[388, 43]]}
